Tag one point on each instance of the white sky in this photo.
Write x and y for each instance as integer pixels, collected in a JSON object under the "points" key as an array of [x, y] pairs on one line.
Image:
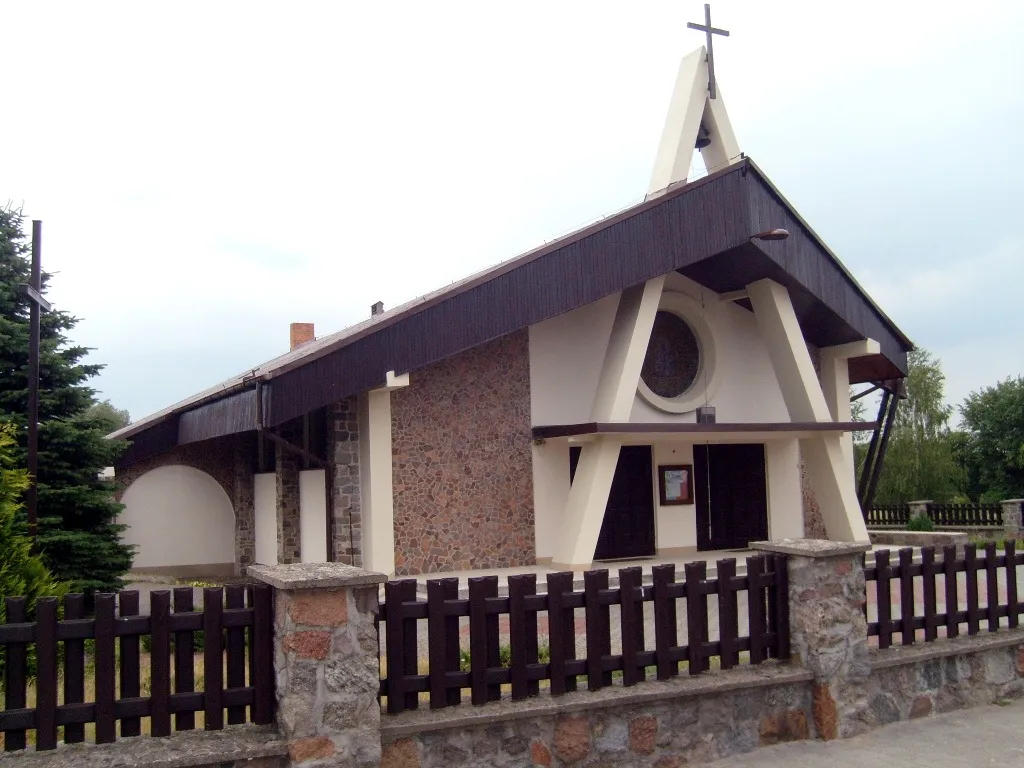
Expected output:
{"points": [[209, 172]]}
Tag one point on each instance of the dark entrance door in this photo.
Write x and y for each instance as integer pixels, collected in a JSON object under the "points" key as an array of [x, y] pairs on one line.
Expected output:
{"points": [[732, 495], [628, 527]]}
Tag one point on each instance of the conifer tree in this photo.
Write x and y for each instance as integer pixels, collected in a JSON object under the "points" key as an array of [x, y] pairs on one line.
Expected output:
{"points": [[78, 535]]}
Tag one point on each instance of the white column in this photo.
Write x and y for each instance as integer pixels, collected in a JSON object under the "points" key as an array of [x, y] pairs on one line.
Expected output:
{"points": [[378, 501], [616, 392], [313, 515], [835, 383], [823, 454], [265, 504]]}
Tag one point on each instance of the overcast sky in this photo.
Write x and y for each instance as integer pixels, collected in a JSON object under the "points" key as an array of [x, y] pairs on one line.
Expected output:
{"points": [[209, 172]]}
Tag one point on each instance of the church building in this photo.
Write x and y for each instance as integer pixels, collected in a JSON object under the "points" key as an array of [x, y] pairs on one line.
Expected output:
{"points": [[675, 377]]}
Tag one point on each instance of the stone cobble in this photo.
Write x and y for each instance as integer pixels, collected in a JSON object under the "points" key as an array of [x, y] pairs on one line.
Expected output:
{"points": [[463, 478]]}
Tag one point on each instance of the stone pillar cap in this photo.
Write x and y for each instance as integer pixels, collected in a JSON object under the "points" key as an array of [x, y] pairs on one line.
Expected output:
{"points": [[1011, 501], [811, 547], [315, 576], [921, 501]]}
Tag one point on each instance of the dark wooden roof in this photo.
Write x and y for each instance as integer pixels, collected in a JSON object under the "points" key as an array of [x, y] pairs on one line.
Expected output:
{"points": [[702, 229]]}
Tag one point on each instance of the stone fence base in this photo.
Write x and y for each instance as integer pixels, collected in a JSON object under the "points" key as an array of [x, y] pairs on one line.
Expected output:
{"points": [[241, 746], [692, 720]]}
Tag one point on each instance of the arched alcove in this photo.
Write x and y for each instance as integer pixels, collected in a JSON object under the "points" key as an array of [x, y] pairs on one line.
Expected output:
{"points": [[178, 516]]}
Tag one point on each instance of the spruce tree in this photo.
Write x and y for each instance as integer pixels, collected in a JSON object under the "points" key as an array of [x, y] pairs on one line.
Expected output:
{"points": [[79, 539]]}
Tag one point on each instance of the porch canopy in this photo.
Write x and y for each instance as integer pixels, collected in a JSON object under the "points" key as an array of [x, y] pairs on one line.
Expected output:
{"points": [[705, 229]]}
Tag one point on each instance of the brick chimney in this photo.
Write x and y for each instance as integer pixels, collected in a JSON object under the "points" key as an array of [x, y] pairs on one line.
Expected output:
{"points": [[300, 333]]}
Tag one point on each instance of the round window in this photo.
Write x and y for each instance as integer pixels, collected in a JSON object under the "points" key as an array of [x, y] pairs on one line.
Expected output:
{"points": [[673, 356]]}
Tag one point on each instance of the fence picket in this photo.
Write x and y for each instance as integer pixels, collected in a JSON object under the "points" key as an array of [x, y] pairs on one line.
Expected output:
{"points": [[128, 645], [991, 587], [931, 622], [213, 657], [756, 615], [396, 594], [235, 598], [781, 589], [728, 614], [561, 632], [46, 673], [971, 567], [15, 679], [484, 650], [632, 616], [907, 612], [696, 616], [442, 634], [522, 634], [74, 667], [105, 670], [599, 642], [884, 601], [262, 642], [184, 659], [665, 635], [951, 587], [1010, 550], [160, 662]]}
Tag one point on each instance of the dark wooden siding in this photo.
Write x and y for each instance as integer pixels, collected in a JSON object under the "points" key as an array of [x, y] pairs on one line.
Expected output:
{"points": [[803, 259], [663, 235], [236, 413], [153, 441]]}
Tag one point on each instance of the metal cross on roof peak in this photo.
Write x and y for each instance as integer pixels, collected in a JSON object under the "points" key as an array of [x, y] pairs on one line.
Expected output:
{"points": [[710, 32]]}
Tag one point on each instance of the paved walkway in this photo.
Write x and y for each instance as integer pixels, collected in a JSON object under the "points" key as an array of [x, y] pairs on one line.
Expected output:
{"points": [[984, 736]]}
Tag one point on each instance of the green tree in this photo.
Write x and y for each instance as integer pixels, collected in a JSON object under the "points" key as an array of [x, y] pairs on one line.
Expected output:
{"points": [[114, 418], [994, 418], [78, 538], [919, 462], [22, 574]]}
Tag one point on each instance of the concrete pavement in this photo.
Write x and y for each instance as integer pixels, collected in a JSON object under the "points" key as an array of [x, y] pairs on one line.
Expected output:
{"points": [[971, 738]]}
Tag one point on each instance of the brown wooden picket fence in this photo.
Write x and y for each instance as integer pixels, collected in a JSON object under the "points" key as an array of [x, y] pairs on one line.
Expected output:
{"points": [[969, 515], [237, 627], [440, 671], [996, 572]]}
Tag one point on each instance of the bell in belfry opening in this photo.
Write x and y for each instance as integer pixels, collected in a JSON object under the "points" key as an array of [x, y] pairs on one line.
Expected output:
{"points": [[703, 137]]}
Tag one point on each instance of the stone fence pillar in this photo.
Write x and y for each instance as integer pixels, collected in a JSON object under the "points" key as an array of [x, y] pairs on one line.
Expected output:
{"points": [[828, 629], [1012, 517], [326, 662], [918, 508]]}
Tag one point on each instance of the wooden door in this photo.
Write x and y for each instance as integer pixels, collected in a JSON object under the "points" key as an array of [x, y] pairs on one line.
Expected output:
{"points": [[628, 526], [732, 495]]}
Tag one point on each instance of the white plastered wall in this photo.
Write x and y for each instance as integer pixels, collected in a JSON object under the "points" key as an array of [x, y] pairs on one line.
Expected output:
{"points": [[265, 504], [566, 353], [313, 516], [676, 524], [178, 515], [785, 489]]}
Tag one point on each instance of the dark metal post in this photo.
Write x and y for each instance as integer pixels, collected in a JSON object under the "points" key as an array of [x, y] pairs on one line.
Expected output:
{"points": [[35, 283]]}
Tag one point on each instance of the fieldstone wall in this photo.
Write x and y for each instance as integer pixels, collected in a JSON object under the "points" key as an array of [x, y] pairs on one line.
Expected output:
{"points": [[814, 523], [908, 683], [214, 457], [346, 507], [666, 724], [287, 466], [463, 479], [245, 508], [326, 662]]}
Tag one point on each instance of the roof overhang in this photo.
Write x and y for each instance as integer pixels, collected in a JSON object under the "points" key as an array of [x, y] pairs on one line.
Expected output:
{"points": [[703, 229]]}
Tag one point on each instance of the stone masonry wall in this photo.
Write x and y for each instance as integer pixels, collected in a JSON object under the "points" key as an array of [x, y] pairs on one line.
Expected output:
{"points": [[346, 507], [665, 734], [244, 502], [286, 466], [463, 480], [214, 457]]}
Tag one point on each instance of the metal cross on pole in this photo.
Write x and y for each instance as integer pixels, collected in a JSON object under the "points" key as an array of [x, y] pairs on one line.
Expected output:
{"points": [[35, 296], [710, 32]]}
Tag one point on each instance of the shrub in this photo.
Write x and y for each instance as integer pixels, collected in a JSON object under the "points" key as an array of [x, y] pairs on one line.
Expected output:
{"points": [[920, 522]]}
